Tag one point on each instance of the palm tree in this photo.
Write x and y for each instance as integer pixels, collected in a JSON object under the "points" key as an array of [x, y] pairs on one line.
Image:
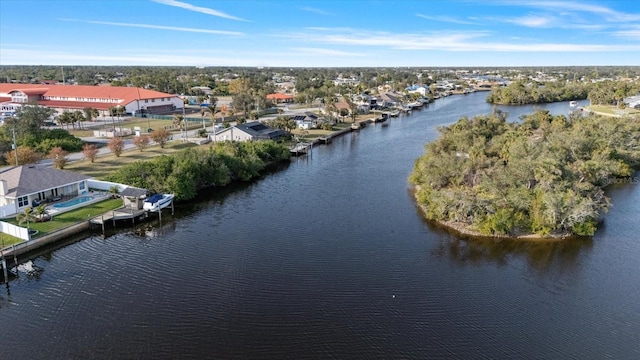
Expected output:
{"points": [[202, 113], [40, 211], [114, 191], [178, 120], [26, 216]]}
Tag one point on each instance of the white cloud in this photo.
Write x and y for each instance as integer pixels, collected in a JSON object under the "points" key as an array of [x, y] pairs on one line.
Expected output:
{"points": [[317, 11], [448, 19], [632, 34], [202, 10], [572, 6], [323, 52], [443, 41], [159, 27], [532, 21]]}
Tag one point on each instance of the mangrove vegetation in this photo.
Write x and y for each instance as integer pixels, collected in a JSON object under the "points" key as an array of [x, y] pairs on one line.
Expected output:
{"points": [[543, 176], [190, 170]]}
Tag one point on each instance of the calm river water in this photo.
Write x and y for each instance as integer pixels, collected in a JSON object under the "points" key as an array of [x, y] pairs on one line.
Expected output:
{"points": [[329, 258]]}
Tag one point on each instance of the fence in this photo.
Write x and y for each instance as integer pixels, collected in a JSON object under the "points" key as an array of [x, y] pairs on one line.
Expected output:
{"points": [[199, 118], [14, 230], [7, 210]]}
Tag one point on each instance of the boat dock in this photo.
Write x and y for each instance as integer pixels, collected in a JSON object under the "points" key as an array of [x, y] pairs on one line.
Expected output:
{"points": [[301, 149], [119, 214]]}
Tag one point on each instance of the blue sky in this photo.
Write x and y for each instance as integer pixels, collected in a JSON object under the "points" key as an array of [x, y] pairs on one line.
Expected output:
{"points": [[319, 33]]}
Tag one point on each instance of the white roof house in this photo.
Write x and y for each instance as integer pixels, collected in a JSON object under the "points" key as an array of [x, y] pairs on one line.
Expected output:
{"points": [[23, 186], [254, 130]]}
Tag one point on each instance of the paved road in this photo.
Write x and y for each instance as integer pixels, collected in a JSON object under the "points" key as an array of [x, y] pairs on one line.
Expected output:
{"points": [[128, 143]]}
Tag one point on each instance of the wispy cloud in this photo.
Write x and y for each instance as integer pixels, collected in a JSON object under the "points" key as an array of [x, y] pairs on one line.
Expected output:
{"points": [[532, 21], [631, 34], [445, 41], [159, 27], [317, 11], [572, 6], [323, 52], [447, 19], [200, 9]]}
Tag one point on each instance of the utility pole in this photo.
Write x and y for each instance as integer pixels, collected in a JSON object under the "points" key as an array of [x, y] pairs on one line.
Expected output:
{"points": [[184, 121], [15, 145]]}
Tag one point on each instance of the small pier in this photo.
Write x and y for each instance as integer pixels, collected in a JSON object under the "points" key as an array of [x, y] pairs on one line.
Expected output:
{"points": [[301, 149], [119, 214]]}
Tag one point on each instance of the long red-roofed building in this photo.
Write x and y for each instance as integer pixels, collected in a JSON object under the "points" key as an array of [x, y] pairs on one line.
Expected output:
{"points": [[280, 98], [77, 97]]}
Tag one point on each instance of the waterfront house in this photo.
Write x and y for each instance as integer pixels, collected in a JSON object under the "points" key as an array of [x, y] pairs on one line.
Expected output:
{"points": [[254, 130], [420, 89], [306, 120], [389, 99], [29, 185]]}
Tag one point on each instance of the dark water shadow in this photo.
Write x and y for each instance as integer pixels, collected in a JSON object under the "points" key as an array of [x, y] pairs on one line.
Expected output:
{"points": [[541, 255]]}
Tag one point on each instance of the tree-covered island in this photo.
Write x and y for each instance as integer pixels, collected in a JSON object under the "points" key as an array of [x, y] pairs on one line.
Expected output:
{"points": [[541, 177]]}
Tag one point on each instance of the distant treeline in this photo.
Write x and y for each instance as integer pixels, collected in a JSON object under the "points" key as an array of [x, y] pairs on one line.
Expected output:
{"points": [[186, 172], [543, 176], [600, 93]]}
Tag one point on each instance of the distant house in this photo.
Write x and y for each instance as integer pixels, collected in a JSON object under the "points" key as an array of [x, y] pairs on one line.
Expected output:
{"points": [[280, 98], [632, 101], [389, 99], [420, 89], [306, 120], [203, 89], [27, 185], [254, 130], [342, 105]]}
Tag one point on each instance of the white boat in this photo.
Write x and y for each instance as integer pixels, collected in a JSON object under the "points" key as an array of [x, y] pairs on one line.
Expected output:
{"points": [[573, 104], [157, 202]]}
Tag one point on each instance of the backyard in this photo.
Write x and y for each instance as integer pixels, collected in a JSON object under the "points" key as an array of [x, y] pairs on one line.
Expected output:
{"points": [[62, 220]]}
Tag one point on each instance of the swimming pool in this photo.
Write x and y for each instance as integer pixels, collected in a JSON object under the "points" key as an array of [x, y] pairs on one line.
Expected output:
{"points": [[72, 202]]}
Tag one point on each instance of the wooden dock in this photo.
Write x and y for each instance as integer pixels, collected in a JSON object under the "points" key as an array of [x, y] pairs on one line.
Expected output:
{"points": [[120, 214], [301, 149]]}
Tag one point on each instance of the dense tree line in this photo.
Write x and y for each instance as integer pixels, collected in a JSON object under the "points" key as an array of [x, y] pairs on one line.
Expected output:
{"points": [[521, 92], [600, 93], [542, 176], [27, 127], [188, 171]]}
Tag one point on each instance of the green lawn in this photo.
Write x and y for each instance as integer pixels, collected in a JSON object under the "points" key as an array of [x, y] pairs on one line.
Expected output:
{"points": [[106, 164], [612, 110], [68, 218]]}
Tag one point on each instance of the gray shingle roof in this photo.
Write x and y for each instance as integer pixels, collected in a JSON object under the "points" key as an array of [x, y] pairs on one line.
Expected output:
{"points": [[260, 131], [30, 179]]}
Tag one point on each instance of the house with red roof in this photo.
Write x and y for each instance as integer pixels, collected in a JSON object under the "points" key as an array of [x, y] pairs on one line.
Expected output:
{"points": [[280, 98], [77, 97]]}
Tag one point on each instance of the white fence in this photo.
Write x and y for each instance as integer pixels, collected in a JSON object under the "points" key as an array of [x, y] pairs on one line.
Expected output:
{"points": [[104, 185], [14, 230], [112, 133], [7, 210]]}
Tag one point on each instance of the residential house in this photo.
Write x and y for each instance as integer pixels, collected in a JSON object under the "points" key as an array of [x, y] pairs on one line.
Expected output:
{"points": [[254, 130], [29, 185], [420, 89], [632, 101], [390, 99], [306, 120]]}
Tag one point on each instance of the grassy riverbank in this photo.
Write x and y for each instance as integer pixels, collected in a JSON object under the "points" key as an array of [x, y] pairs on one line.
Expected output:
{"points": [[63, 220], [109, 163]]}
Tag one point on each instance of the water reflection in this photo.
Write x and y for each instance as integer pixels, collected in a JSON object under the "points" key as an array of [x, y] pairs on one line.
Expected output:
{"points": [[540, 255]]}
